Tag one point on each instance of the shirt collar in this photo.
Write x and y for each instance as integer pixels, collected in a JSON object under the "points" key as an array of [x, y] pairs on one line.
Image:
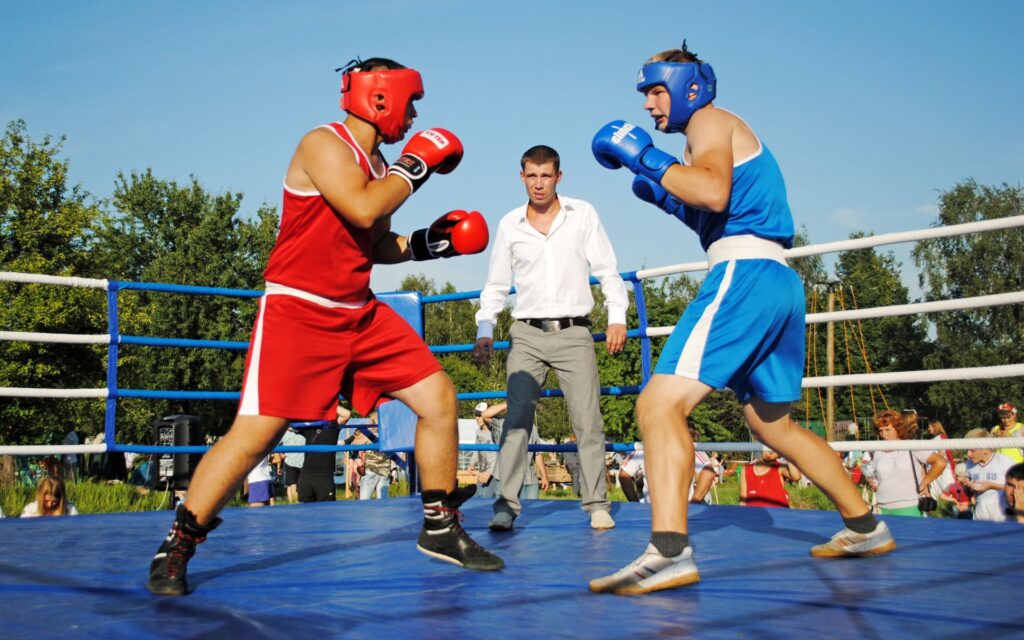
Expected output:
{"points": [[563, 207]]}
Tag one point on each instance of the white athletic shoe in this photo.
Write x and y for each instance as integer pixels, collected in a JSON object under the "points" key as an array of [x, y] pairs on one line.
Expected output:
{"points": [[850, 544], [601, 519], [650, 572]]}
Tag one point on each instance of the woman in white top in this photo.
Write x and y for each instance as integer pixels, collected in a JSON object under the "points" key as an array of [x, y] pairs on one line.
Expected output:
{"points": [[899, 478], [51, 500]]}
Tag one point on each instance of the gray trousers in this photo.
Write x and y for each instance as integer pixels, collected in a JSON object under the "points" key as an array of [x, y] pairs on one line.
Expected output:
{"points": [[570, 353]]}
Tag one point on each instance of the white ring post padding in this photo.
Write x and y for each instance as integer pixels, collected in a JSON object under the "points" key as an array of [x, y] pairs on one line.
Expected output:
{"points": [[67, 281], [56, 449], [24, 392], [951, 444], [65, 338], [937, 375], [857, 243]]}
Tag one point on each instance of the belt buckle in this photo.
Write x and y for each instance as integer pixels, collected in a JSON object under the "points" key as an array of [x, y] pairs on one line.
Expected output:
{"points": [[548, 326]]}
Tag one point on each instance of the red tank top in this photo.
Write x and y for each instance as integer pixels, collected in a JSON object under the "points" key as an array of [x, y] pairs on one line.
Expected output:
{"points": [[766, 490], [317, 250]]}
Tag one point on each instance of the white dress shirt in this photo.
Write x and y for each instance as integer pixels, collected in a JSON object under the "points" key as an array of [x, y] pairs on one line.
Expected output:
{"points": [[551, 272]]}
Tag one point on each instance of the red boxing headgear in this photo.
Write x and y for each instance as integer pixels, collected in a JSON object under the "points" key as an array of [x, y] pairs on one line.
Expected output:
{"points": [[381, 97]]}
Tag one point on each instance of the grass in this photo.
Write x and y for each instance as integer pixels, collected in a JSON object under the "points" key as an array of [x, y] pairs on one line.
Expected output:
{"points": [[96, 497]]}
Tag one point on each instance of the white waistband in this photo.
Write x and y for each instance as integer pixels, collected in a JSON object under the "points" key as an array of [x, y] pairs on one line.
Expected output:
{"points": [[744, 248], [274, 289]]}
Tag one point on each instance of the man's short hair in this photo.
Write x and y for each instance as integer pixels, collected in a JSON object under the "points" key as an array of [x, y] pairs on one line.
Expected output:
{"points": [[541, 154], [1017, 473]]}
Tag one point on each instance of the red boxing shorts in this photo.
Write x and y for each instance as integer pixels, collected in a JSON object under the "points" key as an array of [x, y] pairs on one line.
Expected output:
{"points": [[303, 353]]}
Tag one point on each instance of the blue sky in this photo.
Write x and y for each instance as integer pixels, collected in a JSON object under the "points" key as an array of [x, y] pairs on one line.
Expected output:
{"points": [[872, 108]]}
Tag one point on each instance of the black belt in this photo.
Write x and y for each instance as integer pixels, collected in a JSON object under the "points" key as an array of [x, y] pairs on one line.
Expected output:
{"points": [[557, 324]]}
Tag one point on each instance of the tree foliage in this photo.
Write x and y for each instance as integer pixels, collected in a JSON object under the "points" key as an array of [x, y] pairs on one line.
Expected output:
{"points": [[48, 227], [160, 231], [973, 265]]}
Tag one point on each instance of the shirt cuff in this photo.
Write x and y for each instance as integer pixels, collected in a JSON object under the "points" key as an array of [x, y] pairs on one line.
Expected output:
{"points": [[616, 316], [485, 329]]}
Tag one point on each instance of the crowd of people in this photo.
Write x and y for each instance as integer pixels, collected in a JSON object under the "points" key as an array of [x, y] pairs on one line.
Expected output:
{"points": [[980, 486]]}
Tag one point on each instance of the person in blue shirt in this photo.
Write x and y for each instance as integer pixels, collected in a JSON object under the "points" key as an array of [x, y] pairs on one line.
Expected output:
{"points": [[744, 330]]}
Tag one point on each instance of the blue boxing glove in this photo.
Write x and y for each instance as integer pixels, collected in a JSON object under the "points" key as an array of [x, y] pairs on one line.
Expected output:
{"points": [[623, 144], [649, 191]]}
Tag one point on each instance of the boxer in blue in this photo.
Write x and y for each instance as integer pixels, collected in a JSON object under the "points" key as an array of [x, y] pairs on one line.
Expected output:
{"points": [[744, 330]]}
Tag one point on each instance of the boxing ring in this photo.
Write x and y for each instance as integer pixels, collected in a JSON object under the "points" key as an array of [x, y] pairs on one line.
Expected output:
{"points": [[352, 569]]}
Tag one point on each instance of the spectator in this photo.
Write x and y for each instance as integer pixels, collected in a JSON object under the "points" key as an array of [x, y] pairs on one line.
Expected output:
{"points": [[69, 461], [316, 482], [51, 499], [987, 472], [376, 474], [946, 478], [957, 494], [706, 471], [761, 482], [549, 247], [571, 460], [1009, 427], [261, 484], [910, 420], [631, 474], [895, 476], [1013, 488], [534, 471], [292, 463], [485, 462]]}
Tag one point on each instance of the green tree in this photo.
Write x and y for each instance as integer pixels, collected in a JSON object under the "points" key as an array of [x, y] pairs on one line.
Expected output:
{"points": [[973, 265], [864, 279], [46, 227], [164, 232]]}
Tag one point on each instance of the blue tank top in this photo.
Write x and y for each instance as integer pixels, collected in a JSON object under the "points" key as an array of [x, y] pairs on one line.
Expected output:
{"points": [[757, 205]]}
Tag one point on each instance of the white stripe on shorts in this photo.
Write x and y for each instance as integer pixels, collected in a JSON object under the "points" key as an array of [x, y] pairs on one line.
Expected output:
{"points": [[693, 352], [274, 289], [250, 405]]}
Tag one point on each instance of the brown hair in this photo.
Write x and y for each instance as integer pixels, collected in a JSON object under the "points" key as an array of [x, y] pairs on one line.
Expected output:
{"points": [[541, 154], [682, 54], [890, 418]]}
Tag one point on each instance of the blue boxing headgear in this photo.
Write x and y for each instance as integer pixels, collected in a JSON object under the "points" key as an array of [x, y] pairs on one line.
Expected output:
{"points": [[691, 85]]}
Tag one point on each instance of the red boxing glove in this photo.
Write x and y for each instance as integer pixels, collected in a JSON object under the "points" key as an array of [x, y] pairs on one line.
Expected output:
{"points": [[428, 151], [455, 233]]}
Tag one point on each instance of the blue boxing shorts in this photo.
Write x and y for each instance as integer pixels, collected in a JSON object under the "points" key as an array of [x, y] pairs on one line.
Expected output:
{"points": [[743, 331]]}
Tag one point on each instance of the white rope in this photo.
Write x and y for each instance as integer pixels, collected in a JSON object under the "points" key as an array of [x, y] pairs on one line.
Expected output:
{"points": [[937, 375], [64, 338], [56, 449], [67, 281], [951, 444], [993, 300], [24, 392], [857, 243]]}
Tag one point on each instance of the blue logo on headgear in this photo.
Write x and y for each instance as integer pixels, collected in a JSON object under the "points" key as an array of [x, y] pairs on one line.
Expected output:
{"points": [[691, 85]]}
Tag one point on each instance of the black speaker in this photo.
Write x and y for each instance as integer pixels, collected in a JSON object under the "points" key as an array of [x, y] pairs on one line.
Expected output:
{"points": [[175, 469]]}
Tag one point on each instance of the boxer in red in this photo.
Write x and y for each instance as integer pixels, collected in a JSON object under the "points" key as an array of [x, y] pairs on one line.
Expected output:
{"points": [[320, 330]]}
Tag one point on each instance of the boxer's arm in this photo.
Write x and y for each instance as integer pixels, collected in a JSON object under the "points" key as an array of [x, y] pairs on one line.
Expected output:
{"points": [[324, 164], [706, 183]]}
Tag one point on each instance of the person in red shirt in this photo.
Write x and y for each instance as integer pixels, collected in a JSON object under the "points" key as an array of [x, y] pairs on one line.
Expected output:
{"points": [[761, 482], [320, 330]]}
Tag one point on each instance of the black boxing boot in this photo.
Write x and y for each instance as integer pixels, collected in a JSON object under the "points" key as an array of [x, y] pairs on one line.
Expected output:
{"points": [[444, 538], [170, 564]]}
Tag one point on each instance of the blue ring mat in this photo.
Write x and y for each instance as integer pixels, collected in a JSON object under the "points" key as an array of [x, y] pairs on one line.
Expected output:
{"points": [[351, 569]]}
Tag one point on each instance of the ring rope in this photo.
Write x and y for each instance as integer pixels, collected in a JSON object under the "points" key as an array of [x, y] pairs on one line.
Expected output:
{"points": [[857, 243]]}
